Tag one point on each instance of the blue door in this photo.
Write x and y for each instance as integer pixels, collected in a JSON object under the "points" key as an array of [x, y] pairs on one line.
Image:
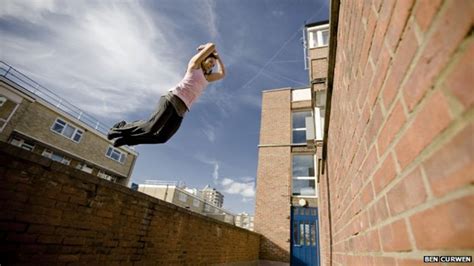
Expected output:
{"points": [[304, 236]]}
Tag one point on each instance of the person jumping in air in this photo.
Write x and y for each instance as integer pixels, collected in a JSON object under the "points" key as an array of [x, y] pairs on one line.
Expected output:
{"points": [[167, 117]]}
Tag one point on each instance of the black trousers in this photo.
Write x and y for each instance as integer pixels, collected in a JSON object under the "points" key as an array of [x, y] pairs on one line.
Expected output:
{"points": [[159, 128]]}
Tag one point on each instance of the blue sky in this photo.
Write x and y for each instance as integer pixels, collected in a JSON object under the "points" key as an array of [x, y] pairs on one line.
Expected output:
{"points": [[115, 58]]}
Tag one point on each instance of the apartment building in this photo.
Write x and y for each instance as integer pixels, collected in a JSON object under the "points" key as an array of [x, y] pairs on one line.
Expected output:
{"points": [[178, 194], [213, 196], [34, 118], [245, 220], [289, 151]]}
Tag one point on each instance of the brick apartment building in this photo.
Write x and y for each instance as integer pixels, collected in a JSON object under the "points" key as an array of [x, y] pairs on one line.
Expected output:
{"points": [[394, 169], [34, 118], [289, 151], [399, 149]]}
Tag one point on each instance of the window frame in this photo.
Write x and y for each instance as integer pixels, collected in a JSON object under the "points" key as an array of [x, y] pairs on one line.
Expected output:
{"points": [[77, 130], [305, 177], [299, 128], [122, 155], [183, 197], [22, 143], [315, 36], [5, 121], [49, 154]]}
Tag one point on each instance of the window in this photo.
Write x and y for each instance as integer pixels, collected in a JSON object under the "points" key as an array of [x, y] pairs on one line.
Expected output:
{"points": [[207, 208], [27, 145], [106, 176], [318, 36], [319, 113], [116, 154], [183, 197], [67, 130], [299, 126], [84, 167], [196, 203], [56, 157], [7, 109], [304, 180]]}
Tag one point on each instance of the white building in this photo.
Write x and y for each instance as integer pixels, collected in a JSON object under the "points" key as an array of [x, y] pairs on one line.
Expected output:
{"points": [[213, 196], [244, 220]]}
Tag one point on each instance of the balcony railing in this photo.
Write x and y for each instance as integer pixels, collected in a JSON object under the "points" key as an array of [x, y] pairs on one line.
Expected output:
{"points": [[50, 97]]}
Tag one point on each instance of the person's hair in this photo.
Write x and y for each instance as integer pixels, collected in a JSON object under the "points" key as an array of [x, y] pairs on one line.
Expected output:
{"points": [[210, 56]]}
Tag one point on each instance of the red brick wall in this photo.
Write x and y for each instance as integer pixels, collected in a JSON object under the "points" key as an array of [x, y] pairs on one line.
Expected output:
{"points": [[53, 214], [401, 136]]}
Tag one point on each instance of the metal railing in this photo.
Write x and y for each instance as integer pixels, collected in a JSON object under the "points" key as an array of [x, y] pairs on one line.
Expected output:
{"points": [[50, 97]]}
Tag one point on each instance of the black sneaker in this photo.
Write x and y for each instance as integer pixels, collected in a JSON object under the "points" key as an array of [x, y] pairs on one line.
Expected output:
{"points": [[119, 124]]}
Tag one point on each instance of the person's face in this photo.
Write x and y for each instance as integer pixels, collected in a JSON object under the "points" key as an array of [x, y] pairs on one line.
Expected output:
{"points": [[208, 64]]}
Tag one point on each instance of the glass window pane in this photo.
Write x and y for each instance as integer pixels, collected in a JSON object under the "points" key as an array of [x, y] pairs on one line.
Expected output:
{"points": [[325, 37], [304, 187], [58, 127], [78, 135], [109, 151], [115, 155], [56, 157], [122, 158], [299, 136], [299, 119], [68, 131], [303, 165]]}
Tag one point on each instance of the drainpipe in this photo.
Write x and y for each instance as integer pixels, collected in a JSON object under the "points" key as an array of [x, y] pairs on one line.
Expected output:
{"points": [[333, 27]]}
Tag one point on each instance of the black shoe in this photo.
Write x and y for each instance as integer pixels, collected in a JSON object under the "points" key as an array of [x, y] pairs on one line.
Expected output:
{"points": [[120, 142], [112, 135], [119, 124]]}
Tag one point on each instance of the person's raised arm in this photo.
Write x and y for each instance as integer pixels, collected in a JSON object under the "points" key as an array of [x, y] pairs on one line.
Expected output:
{"points": [[220, 72], [204, 51]]}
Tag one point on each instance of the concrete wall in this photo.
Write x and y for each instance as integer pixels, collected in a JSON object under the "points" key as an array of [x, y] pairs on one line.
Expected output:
{"points": [[52, 214], [398, 182]]}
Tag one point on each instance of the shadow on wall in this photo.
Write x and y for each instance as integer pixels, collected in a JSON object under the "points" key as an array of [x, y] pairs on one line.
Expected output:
{"points": [[272, 253]]}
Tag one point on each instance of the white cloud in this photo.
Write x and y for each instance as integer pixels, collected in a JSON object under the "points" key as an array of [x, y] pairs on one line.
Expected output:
{"points": [[110, 57], [244, 189]]}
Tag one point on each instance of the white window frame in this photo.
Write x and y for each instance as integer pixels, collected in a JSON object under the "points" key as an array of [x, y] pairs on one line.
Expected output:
{"points": [[85, 167], [49, 154], [19, 142], [77, 131], [298, 128], [316, 31], [104, 175], [122, 156], [305, 177], [5, 121]]}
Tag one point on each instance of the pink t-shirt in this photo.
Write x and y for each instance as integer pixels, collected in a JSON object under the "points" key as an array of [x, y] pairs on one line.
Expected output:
{"points": [[191, 86]]}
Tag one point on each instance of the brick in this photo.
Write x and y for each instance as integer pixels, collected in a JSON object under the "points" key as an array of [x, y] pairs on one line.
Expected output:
{"points": [[445, 225], [398, 21], [50, 239], [408, 193], [425, 11], [394, 237], [367, 194], [414, 262], [378, 212], [382, 24], [451, 166], [385, 174], [379, 77], [369, 164], [460, 80], [12, 227], [374, 125], [384, 261], [21, 238], [373, 241], [431, 121], [451, 29], [394, 123], [401, 62]]}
